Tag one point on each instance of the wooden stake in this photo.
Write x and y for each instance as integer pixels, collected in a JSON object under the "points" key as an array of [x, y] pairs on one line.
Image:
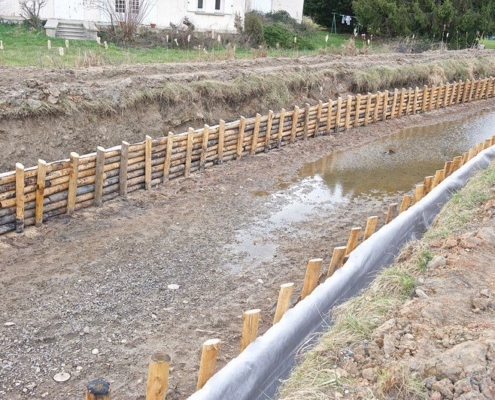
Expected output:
{"points": [[437, 178], [370, 227], [40, 192], [368, 109], [448, 168], [240, 138], [425, 99], [221, 140], [415, 100], [377, 102], [405, 204], [385, 105], [460, 85], [147, 162], [456, 163], [283, 302], [391, 213], [99, 175], [394, 104], [440, 89], [204, 147], [337, 114], [337, 260], [348, 107], [268, 130], [124, 159], [168, 157], [71, 191], [158, 370], [432, 97], [280, 128], [295, 119], [19, 198], [352, 242], [312, 275], [208, 361], [418, 192], [98, 389], [427, 183], [256, 133], [446, 98], [318, 118], [250, 321], [306, 121], [487, 143], [401, 102], [465, 91], [189, 146], [356, 113]]}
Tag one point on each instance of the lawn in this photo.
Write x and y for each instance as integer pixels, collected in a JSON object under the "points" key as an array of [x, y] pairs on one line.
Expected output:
{"points": [[25, 47]]}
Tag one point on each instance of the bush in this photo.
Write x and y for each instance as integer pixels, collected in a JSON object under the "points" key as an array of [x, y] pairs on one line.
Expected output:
{"points": [[253, 27], [279, 34]]}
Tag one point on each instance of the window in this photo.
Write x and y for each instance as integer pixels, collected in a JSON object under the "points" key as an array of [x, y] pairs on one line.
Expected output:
{"points": [[134, 4], [200, 4], [218, 3], [120, 6]]}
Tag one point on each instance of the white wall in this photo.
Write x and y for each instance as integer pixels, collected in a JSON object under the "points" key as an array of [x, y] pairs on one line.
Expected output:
{"points": [[293, 7]]}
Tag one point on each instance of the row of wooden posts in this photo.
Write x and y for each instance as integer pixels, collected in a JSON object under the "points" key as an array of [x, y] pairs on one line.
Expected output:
{"points": [[158, 370], [28, 196]]}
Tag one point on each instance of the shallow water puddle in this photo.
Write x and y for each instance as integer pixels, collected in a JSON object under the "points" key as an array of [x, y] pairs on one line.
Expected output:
{"points": [[384, 167]]}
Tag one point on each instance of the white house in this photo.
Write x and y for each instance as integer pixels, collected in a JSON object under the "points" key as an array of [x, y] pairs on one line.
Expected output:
{"points": [[206, 15]]}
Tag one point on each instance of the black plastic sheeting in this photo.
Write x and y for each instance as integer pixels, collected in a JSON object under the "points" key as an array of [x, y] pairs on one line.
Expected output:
{"points": [[257, 371]]}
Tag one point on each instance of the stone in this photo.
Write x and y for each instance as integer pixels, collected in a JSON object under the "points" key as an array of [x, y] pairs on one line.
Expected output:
{"points": [[470, 242], [389, 344], [449, 243], [437, 261], [464, 386], [485, 292], [421, 294], [369, 374], [61, 377], [487, 234], [481, 303], [436, 396], [444, 387], [34, 104], [52, 99]]}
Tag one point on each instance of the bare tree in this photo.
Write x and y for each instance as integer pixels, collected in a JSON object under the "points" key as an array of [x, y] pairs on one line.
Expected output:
{"points": [[125, 16], [30, 12]]}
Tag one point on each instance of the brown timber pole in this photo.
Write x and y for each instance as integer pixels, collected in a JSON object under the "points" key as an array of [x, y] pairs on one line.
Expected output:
{"points": [[158, 370], [208, 361], [283, 302]]}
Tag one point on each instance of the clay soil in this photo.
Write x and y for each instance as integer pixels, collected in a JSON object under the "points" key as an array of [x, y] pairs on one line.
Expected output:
{"points": [[89, 294]]}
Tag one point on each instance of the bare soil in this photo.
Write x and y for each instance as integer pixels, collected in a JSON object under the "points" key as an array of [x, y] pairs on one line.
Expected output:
{"points": [[89, 294]]}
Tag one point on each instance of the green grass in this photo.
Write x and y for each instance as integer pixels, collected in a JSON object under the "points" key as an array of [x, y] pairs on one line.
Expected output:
{"points": [[24, 47], [489, 44]]}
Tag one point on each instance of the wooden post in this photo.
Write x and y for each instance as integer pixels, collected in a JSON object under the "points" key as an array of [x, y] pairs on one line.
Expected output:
{"points": [[280, 128], [71, 192], [352, 242], [318, 118], [295, 119], [348, 107], [438, 177], [189, 146], [147, 162], [401, 102], [465, 91], [448, 168], [337, 259], [208, 361], [428, 182], [432, 95], [204, 147], [283, 302], [306, 121], [415, 100], [256, 133], [460, 86], [312, 275], [337, 114], [370, 227], [368, 109], [124, 159], [268, 131], [479, 147], [99, 175], [391, 213], [440, 89], [377, 102], [356, 113], [446, 98], [419, 191], [453, 93], [221, 140], [406, 202], [456, 163], [158, 370], [98, 389], [40, 192], [329, 116], [425, 98], [250, 321], [19, 198], [240, 138], [385, 105], [394, 104], [168, 157]]}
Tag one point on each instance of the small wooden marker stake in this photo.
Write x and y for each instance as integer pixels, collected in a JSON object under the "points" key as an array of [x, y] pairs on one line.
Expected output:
{"points": [[405, 204], [204, 147], [158, 370], [221, 140], [124, 160], [337, 260], [19, 197], [147, 162], [370, 227], [306, 121], [312, 275], [419, 191], [40, 192], [295, 120], [283, 302], [250, 321], [98, 389], [208, 361], [256, 132], [280, 128], [190, 137], [168, 157], [268, 130], [391, 213], [352, 242], [99, 175], [240, 138]]}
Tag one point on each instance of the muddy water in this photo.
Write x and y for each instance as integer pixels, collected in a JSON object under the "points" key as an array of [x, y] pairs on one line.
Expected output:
{"points": [[386, 167]]}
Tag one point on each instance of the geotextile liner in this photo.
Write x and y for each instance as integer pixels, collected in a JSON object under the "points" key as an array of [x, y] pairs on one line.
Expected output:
{"points": [[257, 371]]}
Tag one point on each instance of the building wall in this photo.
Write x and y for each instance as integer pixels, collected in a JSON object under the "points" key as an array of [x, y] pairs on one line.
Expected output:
{"points": [[293, 7]]}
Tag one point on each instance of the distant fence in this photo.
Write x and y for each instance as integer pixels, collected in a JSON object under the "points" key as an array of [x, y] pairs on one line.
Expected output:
{"points": [[30, 195]]}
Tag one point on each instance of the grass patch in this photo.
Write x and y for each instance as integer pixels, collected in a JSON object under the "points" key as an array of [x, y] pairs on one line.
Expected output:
{"points": [[355, 321]]}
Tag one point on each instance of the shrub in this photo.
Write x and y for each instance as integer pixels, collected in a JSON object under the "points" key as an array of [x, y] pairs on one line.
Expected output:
{"points": [[253, 27], [279, 34]]}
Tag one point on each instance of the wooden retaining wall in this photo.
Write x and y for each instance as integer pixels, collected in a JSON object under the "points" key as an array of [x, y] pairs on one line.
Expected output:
{"points": [[30, 195]]}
